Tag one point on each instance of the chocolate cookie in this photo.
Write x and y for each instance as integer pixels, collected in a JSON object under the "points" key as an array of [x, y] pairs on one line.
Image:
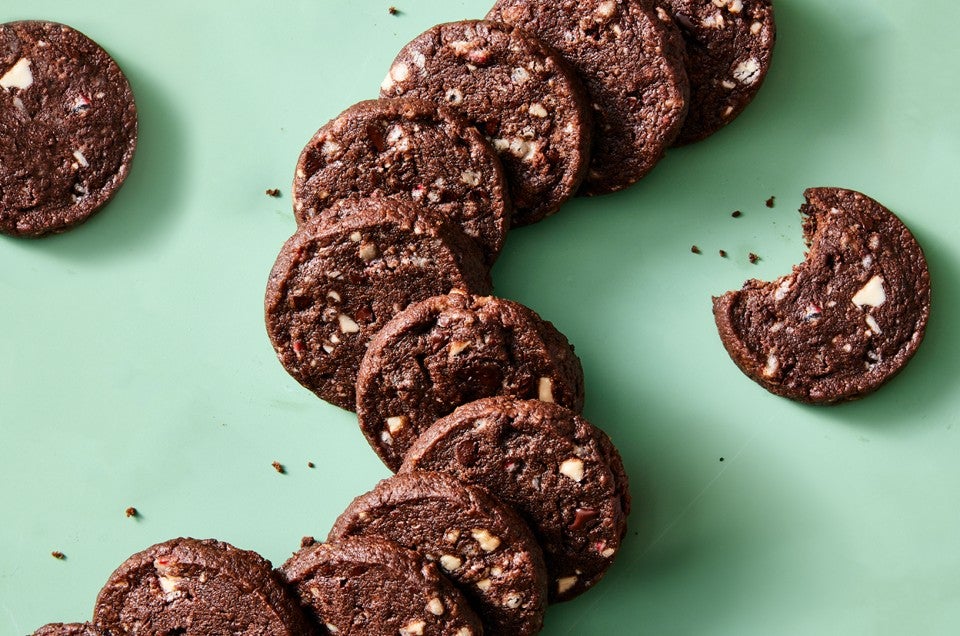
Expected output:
{"points": [[68, 629], [449, 350], [482, 544], [517, 91], [632, 62], [198, 588], [844, 321], [411, 148], [562, 474], [68, 128], [729, 47], [367, 585], [337, 281]]}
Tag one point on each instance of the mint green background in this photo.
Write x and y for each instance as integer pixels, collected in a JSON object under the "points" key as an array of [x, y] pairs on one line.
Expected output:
{"points": [[135, 371]]}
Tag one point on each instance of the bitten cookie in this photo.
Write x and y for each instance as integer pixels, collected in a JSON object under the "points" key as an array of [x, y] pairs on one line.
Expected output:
{"points": [[198, 588], [729, 48], [518, 92], [337, 281], [844, 321], [68, 128], [409, 148], [479, 542], [449, 350], [68, 629], [562, 474], [631, 60], [367, 585]]}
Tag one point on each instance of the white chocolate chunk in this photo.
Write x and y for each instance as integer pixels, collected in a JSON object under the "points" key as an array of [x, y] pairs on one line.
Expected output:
{"points": [[735, 6], [484, 584], [755, 27], [519, 75], [80, 158], [435, 607], [545, 390], [19, 76], [413, 628], [397, 423], [333, 628], [368, 251], [872, 294], [872, 323], [537, 110], [771, 367], [565, 584], [470, 177], [747, 72], [572, 468], [607, 553], [488, 542], [347, 324], [607, 9], [464, 631], [450, 562], [512, 600]]}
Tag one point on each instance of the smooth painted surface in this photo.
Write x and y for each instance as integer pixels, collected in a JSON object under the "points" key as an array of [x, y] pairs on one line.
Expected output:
{"points": [[135, 370]]}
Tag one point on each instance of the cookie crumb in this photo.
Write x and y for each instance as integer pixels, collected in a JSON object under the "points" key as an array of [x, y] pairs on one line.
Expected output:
{"points": [[131, 512], [695, 249], [311, 465], [393, 11], [723, 253], [754, 258], [57, 554], [272, 192], [736, 214], [771, 201], [306, 542], [721, 459], [277, 466]]}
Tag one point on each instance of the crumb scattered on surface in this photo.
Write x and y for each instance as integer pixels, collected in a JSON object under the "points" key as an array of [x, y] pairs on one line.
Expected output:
{"points": [[277, 466], [57, 554], [721, 459], [311, 465], [736, 214], [393, 11], [771, 201], [131, 512], [723, 253], [695, 249], [272, 192], [754, 258]]}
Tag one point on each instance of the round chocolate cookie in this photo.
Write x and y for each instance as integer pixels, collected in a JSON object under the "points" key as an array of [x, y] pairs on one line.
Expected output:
{"points": [[562, 474], [480, 543], [198, 588], [517, 91], [68, 629], [410, 148], [631, 60], [845, 320], [337, 281], [68, 128], [729, 47], [449, 350], [368, 585]]}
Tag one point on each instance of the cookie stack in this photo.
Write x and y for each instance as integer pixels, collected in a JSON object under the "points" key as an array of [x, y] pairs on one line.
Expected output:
{"points": [[505, 499], [380, 303]]}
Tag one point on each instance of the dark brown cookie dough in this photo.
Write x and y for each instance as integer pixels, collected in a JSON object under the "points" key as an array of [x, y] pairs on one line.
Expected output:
{"points": [[184, 586], [631, 60], [729, 47], [367, 585], [480, 543], [845, 320], [409, 148], [68, 629], [337, 281], [449, 350], [561, 473], [68, 128], [518, 92]]}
